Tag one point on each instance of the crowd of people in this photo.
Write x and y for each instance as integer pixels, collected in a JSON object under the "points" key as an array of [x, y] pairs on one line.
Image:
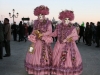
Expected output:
{"points": [[22, 30], [5, 35], [19, 33], [89, 34]]}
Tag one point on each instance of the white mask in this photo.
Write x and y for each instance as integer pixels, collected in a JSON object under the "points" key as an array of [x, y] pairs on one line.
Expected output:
{"points": [[67, 21], [41, 17]]}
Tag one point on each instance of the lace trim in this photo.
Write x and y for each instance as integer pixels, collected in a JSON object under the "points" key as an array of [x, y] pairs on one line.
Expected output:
{"points": [[37, 67], [77, 69]]}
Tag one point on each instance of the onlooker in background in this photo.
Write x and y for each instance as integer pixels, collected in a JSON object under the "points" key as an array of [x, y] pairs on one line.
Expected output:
{"points": [[89, 35], [86, 33], [20, 31], [26, 29], [78, 29], [81, 33], [30, 28], [14, 31], [25, 32], [1, 40], [93, 27], [98, 34], [7, 37]]}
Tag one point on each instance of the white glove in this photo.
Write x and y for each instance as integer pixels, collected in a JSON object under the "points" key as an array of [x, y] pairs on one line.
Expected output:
{"points": [[30, 49]]}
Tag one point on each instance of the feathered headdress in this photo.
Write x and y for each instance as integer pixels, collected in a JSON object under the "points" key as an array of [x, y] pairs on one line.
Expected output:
{"points": [[44, 10], [66, 14]]}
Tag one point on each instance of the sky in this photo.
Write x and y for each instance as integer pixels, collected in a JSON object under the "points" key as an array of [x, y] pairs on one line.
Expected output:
{"points": [[84, 10]]}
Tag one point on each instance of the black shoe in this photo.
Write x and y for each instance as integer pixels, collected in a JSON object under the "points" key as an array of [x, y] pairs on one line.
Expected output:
{"points": [[6, 55], [89, 45], [1, 58], [96, 46], [86, 44], [19, 41], [25, 40]]}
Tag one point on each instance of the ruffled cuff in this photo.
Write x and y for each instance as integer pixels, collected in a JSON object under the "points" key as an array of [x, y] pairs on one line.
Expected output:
{"points": [[32, 38], [47, 39]]}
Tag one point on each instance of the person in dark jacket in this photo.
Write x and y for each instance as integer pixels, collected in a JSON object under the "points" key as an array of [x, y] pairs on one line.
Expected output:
{"points": [[89, 35], [93, 27], [14, 31], [20, 31], [81, 33], [30, 29], [7, 37], [98, 34], [1, 40], [86, 33]]}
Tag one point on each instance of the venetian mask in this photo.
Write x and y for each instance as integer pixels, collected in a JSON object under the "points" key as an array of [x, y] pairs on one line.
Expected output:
{"points": [[67, 21], [41, 17]]}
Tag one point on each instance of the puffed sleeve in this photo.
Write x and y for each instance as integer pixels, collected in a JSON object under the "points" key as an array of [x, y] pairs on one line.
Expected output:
{"points": [[32, 38], [74, 35]]}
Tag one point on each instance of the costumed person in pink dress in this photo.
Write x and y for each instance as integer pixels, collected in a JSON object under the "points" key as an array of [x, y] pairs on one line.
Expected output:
{"points": [[66, 56], [39, 56]]}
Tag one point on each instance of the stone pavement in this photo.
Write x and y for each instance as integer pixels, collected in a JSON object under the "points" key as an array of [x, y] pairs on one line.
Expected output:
{"points": [[14, 65]]}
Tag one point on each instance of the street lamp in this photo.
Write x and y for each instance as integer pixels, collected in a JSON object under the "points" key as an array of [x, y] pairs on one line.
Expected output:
{"points": [[13, 16]]}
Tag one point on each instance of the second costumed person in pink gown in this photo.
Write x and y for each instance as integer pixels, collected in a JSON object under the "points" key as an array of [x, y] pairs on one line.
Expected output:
{"points": [[38, 58], [66, 56]]}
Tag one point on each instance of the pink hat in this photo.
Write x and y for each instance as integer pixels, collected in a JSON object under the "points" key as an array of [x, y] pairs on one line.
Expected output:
{"points": [[66, 14], [41, 10]]}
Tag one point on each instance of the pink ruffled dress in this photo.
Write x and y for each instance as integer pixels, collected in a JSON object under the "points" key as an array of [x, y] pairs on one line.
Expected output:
{"points": [[66, 56], [39, 62]]}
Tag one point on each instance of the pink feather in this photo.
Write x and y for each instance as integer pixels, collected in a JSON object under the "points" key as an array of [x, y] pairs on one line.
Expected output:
{"points": [[66, 14], [41, 10]]}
